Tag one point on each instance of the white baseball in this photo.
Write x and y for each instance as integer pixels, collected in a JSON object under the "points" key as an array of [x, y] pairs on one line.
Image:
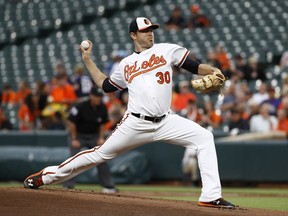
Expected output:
{"points": [[85, 44]]}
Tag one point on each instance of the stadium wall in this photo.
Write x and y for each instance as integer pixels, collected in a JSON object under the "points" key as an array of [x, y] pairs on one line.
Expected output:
{"points": [[259, 161]]}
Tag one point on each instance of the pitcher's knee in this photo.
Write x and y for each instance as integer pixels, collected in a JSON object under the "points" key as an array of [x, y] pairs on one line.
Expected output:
{"points": [[207, 136]]}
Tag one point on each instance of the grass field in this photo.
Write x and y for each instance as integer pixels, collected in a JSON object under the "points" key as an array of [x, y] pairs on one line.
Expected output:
{"points": [[266, 198]]}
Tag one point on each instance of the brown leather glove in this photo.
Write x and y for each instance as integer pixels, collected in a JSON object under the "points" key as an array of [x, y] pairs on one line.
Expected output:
{"points": [[209, 83]]}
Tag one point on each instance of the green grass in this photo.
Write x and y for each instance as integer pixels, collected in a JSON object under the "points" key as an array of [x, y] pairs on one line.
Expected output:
{"points": [[266, 198]]}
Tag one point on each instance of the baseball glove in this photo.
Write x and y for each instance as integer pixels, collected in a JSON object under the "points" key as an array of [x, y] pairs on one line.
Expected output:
{"points": [[209, 83]]}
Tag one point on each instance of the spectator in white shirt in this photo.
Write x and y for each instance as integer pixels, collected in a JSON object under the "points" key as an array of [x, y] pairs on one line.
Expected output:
{"points": [[261, 95], [263, 122]]}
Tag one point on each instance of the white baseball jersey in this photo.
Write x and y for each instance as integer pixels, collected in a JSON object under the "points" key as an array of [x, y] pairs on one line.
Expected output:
{"points": [[150, 69]]}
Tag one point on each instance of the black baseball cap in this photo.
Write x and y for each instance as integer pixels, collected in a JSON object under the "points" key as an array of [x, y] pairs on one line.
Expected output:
{"points": [[141, 23], [96, 91]]}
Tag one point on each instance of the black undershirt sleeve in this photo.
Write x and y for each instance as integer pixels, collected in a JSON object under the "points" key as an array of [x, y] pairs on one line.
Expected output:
{"points": [[190, 65], [108, 87]]}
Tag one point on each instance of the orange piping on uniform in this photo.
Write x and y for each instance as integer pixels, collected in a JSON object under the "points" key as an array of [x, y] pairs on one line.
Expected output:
{"points": [[184, 57], [119, 87], [84, 152], [90, 150]]}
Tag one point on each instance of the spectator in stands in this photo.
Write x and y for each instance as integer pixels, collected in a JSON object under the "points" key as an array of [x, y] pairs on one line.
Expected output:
{"points": [[181, 99], [86, 123], [47, 116], [255, 70], [284, 90], [197, 20], [42, 92], [284, 103], [282, 116], [253, 109], [23, 91], [210, 117], [110, 63], [261, 95], [243, 109], [112, 100], [223, 59], [284, 60], [194, 56], [241, 104], [124, 96], [243, 92], [56, 122], [175, 21], [5, 123], [115, 115], [273, 101], [59, 68], [28, 113], [81, 83], [229, 102], [212, 59], [116, 57], [237, 124], [9, 96], [62, 91], [263, 122], [191, 112], [240, 68]]}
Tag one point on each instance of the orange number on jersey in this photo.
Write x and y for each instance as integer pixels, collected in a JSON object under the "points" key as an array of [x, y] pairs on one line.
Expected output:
{"points": [[163, 77]]}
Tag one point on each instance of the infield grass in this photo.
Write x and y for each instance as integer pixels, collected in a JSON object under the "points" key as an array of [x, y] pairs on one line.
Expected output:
{"points": [[266, 198]]}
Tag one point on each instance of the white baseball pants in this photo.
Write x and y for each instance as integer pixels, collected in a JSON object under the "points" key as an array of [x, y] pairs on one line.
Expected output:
{"points": [[133, 132]]}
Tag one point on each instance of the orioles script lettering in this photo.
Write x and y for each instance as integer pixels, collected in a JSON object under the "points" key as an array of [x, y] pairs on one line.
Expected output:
{"points": [[131, 71]]}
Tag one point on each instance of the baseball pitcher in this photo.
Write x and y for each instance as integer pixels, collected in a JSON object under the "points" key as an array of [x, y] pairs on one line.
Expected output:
{"points": [[147, 73]]}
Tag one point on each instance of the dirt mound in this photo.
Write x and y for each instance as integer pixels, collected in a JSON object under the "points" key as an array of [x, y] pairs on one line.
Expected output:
{"points": [[60, 202]]}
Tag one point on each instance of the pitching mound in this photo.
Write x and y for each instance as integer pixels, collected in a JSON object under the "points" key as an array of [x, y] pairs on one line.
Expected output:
{"points": [[46, 201]]}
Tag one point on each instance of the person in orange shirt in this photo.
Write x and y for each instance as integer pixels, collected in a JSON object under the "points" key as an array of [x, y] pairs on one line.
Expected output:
{"points": [[282, 120], [8, 95], [210, 116], [28, 113], [181, 100], [23, 91], [222, 57], [112, 100], [62, 91], [191, 112], [284, 103], [197, 19], [115, 116]]}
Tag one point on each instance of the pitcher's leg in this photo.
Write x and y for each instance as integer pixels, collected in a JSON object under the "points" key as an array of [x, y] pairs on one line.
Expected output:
{"points": [[184, 132], [71, 182], [71, 167], [125, 137], [208, 165]]}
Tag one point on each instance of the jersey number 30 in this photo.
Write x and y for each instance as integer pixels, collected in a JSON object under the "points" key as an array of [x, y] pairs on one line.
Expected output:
{"points": [[163, 77]]}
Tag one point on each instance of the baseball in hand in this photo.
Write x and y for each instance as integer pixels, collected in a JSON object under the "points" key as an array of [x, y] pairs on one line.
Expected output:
{"points": [[85, 44]]}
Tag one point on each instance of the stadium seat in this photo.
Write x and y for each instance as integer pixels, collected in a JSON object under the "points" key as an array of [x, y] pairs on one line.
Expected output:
{"points": [[37, 34]]}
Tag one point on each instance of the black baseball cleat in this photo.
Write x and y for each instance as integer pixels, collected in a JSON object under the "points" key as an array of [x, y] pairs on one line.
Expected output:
{"points": [[34, 181], [219, 203]]}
